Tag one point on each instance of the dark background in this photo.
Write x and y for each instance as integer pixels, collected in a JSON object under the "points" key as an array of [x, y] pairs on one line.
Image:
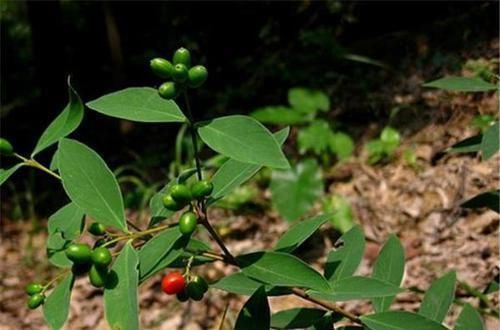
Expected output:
{"points": [[254, 52]]}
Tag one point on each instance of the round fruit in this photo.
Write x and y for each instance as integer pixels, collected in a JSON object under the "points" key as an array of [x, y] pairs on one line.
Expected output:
{"points": [[5, 147], [181, 193], [170, 203], [33, 288], [187, 223], [182, 56], [197, 75], [180, 73], [97, 229], [173, 283], [182, 296], [201, 189], [78, 253], [80, 269], [196, 288], [35, 300], [101, 257], [161, 67], [97, 276], [168, 90]]}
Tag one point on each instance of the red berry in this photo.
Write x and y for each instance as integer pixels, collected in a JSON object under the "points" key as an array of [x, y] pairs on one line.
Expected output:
{"points": [[173, 283]]}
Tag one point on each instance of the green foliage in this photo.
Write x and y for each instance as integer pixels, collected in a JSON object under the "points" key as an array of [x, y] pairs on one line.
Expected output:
{"points": [[68, 221], [399, 320], [342, 216], [296, 318], [241, 284], [314, 137], [382, 149], [5, 174], [255, 314], [482, 122], [56, 306], [489, 199], [462, 84], [438, 298], [490, 144], [299, 233], [469, 319], [294, 191]]}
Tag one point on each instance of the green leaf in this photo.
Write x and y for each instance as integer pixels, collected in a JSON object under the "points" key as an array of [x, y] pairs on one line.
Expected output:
{"points": [[307, 100], [238, 283], [389, 267], [279, 115], [281, 269], [68, 220], [472, 144], [390, 138], [341, 145], [342, 216], [399, 320], [142, 104], [158, 211], [67, 121], [316, 137], [296, 318], [300, 232], [326, 323], [255, 314], [6, 173], [234, 173], [56, 306], [155, 249], [493, 286], [357, 287], [462, 84], [120, 297], [56, 245], [491, 141], [489, 199], [469, 319], [90, 184], [439, 297], [54, 162], [344, 261], [294, 191], [244, 139]]}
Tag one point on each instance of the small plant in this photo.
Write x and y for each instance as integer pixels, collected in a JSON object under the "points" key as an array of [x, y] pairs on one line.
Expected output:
{"points": [[125, 256], [382, 149]]}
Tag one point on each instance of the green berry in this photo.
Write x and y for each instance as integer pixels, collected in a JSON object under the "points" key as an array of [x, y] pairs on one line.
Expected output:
{"points": [[161, 67], [182, 56], [169, 90], [97, 229], [180, 73], [181, 193], [201, 189], [187, 223], [182, 296], [97, 276], [79, 253], [196, 288], [35, 300], [170, 203], [33, 288], [5, 147], [197, 75], [101, 257]]}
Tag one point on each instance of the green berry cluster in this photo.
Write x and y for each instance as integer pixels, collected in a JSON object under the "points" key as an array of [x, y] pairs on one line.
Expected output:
{"points": [[180, 195], [181, 73], [36, 295], [94, 261]]}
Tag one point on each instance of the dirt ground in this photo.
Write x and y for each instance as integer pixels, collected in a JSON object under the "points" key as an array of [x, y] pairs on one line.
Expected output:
{"points": [[419, 203]]}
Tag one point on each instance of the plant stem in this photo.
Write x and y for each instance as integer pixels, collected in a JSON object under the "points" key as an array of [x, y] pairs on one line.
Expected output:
{"points": [[35, 164], [139, 234], [52, 281], [192, 130]]}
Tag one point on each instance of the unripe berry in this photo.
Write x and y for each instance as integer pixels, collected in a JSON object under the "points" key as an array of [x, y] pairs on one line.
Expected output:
{"points": [[78, 253], [170, 203], [182, 56], [101, 257], [33, 288], [169, 90], [197, 75], [180, 73], [201, 189], [97, 229], [161, 67], [97, 276], [35, 300], [187, 223], [181, 193]]}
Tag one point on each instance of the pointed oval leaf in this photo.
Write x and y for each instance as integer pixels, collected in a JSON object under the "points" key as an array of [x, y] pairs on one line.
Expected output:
{"points": [[281, 269], [489, 199], [300, 232], [471, 144], [439, 297], [357, 287], [389, 267], [399, 320], [68, 220], [142, 104], [56, 246], [490, 143], [296, 318], [238, 283], [308, 101], [6, 173], [255, 314], [67, 121], [469, 319], [294, 191], [90, 184], [344, 261], [462, 84], [155, 249], [120, 296], [56, 306], [234, 173], [244, 139]]}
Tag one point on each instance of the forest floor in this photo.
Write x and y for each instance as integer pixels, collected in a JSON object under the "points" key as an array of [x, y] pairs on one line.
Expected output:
{"points": [[419, 203]]}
